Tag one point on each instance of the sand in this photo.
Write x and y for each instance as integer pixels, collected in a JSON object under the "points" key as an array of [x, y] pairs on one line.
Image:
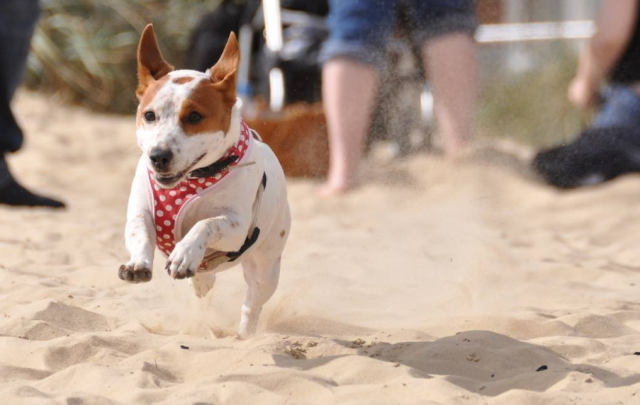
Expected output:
{"points": [[435, 283]]}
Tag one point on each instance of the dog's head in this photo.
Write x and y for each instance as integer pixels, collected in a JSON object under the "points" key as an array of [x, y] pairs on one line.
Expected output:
{"points": [[184, 116]]}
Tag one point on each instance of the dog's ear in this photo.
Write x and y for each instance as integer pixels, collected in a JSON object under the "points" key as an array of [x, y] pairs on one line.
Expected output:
{"points": [[224, 71], [151, 64]]}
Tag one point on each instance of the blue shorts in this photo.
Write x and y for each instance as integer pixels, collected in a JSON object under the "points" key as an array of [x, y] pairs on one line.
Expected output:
{"points": [[360, 29], [621, 108]]}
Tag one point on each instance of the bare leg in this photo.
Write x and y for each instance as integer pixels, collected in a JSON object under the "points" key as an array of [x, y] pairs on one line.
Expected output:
{"points": [[262, 280], [348, 91], [452, 66]]}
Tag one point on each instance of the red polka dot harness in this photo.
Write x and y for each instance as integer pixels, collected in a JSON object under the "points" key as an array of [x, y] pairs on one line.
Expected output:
{"points": [[170, 205]]}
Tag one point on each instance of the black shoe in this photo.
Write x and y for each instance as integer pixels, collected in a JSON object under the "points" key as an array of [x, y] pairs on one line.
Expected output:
{"points": [[15, 195], [12, 193]]}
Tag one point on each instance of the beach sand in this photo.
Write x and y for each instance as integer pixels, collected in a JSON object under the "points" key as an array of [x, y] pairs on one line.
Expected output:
{"points": [[434, 283]]}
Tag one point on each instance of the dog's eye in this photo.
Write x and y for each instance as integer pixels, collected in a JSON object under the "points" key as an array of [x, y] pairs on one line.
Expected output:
{"points": [[150, 116], [195, 117]]}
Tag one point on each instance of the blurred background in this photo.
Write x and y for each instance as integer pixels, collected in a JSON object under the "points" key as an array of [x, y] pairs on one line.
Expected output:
{"points": [[84, 53]]}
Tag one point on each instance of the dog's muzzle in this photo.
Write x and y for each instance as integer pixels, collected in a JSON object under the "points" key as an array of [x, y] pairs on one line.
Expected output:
{"points": [[161, 159]]}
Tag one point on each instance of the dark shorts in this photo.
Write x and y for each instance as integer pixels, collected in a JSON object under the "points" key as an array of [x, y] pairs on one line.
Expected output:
{"points": [[17, 22], [360, 29]]}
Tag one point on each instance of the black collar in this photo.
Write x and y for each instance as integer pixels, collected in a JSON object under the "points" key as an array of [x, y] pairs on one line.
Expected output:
{"points": [[215, 168]]}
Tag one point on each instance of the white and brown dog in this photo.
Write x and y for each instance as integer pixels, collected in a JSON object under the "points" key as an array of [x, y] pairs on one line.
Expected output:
{"points": [[206, 191]]}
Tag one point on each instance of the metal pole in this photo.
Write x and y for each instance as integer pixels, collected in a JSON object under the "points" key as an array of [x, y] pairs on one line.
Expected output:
{"points": [[273, 32]]}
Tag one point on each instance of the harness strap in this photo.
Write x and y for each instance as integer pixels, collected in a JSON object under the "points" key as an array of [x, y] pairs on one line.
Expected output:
{"points": [[253, 236], [215, 259], [215, 168], [255, 134]]}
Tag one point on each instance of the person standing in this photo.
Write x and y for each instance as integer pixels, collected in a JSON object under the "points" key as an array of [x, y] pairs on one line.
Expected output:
{"points": [[354, 54], [17, 23]]}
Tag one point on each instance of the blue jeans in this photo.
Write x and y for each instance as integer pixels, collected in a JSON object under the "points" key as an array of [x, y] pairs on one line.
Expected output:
{"points": [[359, 29], [17, 23], [621, 108]]}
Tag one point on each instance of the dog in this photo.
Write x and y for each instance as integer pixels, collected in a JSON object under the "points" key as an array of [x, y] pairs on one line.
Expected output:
{"points": [[207, 191], [298, 137]]}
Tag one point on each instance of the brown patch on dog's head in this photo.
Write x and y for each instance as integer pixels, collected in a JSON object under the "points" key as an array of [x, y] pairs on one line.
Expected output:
{"points": [[151, 65], [182, 80], [207, 101], [214, 99], [149, 94]]}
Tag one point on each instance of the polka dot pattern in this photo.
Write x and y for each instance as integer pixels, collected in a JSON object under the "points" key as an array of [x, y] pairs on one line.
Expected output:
{"points": [[167, 203]]}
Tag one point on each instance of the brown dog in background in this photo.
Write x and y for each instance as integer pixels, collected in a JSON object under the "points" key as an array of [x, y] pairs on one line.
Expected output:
{"points": [[298, 137]]}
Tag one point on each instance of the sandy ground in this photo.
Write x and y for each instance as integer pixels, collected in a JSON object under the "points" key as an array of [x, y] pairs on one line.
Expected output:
{"points": [[434, 284]]}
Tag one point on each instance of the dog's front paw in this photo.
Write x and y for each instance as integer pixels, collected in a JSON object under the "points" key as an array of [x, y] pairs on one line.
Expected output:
{"points": [[135, 272], [185, 260]]}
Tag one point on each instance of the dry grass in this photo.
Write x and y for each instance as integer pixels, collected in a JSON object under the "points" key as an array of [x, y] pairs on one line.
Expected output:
{"points": [[84, 50]]}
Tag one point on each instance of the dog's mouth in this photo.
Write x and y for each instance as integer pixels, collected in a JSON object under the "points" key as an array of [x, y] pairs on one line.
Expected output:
{"points": [[169, 180]]}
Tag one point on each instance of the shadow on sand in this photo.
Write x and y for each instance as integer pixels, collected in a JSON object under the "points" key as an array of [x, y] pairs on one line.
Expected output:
{"points": [[482, 362]]}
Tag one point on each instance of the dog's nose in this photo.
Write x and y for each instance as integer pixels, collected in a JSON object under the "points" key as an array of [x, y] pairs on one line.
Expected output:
{"points": [[160, 158]]}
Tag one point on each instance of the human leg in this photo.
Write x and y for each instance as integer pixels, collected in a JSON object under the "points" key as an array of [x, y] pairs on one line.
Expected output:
{"points": [[349, 80], [452, 66], [348, 93], [17, 22], [445, 28]]}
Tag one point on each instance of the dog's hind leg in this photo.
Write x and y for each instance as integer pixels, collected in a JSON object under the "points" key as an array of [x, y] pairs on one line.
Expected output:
{"points": [[202, 283], [262, 279]]}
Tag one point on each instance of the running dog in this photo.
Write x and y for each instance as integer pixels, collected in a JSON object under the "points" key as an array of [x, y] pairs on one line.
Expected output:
{"points": [[207, 191]]}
